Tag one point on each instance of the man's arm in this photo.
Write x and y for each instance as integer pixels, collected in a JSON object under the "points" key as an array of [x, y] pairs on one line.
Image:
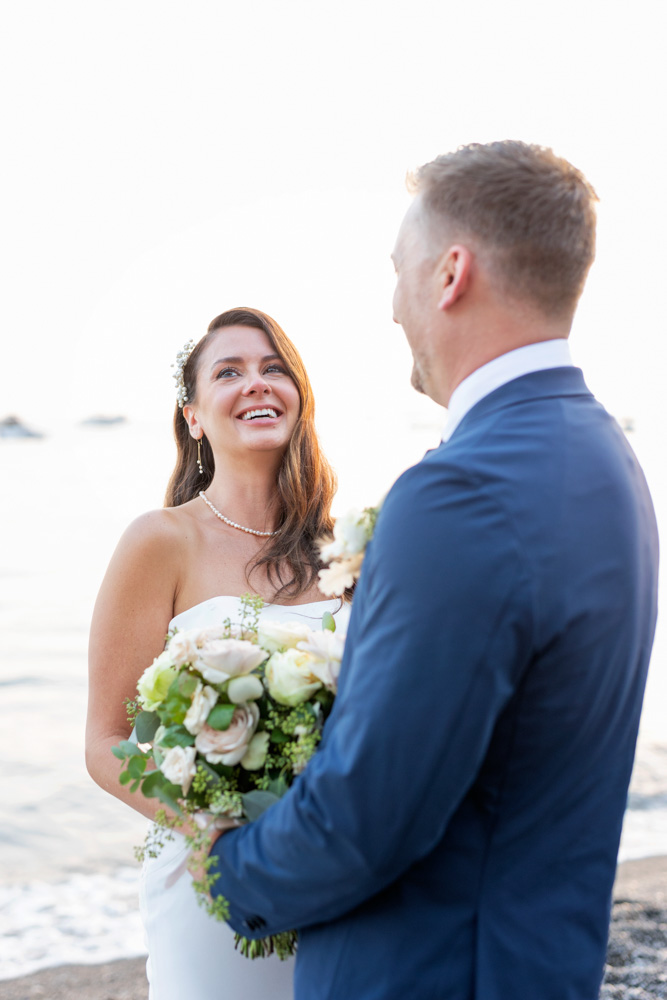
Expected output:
{"points": [[442, 628]]}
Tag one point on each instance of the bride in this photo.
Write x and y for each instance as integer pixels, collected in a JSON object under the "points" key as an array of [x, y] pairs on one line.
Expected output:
{"points": [[250, 494]]}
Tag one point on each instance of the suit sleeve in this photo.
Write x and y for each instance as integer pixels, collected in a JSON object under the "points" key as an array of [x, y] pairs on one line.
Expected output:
{"points": [[440, 629]]}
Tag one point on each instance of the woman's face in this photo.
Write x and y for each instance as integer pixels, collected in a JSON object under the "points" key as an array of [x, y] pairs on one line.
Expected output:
{"points": [[245, 398]]}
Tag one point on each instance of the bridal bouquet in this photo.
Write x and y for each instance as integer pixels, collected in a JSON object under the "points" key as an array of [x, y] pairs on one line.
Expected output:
{"points": [[226, 719]]}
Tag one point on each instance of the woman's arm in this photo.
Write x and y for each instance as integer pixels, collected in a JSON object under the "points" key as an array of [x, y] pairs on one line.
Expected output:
{"points": [[130, 620]]}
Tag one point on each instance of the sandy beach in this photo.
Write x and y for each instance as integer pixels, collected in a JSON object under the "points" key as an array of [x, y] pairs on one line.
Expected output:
{"points": [[636, 961]]}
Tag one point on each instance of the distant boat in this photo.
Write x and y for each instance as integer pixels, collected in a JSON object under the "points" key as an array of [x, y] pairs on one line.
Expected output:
{"points": [[103, 421], [627, 424], [11, 427]]}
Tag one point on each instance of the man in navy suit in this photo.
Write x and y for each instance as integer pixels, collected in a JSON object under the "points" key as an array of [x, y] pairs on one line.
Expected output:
{"points": [[456, 835]]}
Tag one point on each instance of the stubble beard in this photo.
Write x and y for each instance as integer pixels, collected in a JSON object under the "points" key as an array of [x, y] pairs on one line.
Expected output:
{"points": [[417, 379]]}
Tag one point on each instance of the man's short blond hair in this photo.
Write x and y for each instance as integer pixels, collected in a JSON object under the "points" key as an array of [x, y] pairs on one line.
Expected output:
{"points": [[529, 211]]}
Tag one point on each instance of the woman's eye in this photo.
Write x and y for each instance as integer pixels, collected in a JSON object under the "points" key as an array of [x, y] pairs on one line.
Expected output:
{"points": [[225, 372], [277, 368]]}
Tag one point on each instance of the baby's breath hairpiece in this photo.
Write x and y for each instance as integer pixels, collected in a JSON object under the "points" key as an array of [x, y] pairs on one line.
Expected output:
{"points": [[179, 364]]}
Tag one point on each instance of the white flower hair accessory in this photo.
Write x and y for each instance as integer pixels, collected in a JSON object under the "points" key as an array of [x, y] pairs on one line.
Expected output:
{"points": [[179, 364]]}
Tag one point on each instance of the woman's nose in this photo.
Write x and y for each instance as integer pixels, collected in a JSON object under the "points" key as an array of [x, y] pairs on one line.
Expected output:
{"points": [[255, 384]]}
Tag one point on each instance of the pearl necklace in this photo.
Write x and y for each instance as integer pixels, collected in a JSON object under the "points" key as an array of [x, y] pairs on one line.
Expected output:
{"points": [[233, 524]]}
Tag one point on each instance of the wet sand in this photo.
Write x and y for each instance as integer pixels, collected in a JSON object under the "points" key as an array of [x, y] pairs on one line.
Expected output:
{"points": [[636, 968]]}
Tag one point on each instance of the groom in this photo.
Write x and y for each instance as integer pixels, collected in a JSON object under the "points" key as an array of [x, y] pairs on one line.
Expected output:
{"points": [[456, 835]]}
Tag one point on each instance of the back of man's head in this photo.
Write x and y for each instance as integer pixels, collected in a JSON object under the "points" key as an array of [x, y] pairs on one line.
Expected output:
{"points": [[529, 215]]}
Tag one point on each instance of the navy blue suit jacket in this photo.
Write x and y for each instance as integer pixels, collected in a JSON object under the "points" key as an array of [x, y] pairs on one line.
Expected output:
{"points": [[456, 835]]}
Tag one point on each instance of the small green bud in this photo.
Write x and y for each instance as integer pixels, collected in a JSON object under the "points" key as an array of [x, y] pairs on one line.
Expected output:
{"points": [[328, 621]]}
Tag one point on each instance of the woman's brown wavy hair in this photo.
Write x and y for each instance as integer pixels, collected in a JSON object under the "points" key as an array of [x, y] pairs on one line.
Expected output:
{"points": [[306, 483]]}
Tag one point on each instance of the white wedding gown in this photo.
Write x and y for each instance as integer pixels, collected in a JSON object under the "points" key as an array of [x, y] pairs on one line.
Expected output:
{"points": [[191, 956]]}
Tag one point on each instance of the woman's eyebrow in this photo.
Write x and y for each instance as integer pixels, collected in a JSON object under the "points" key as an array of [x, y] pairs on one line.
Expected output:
{"points": [[239, 361]]}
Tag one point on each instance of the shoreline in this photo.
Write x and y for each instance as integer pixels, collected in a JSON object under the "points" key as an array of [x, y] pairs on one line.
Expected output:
{"points": [[636, 959]]}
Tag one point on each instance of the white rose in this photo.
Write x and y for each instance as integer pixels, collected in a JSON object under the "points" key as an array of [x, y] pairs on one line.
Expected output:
{"points": [[281, 635], [290, 677], [350, 536], [228, 746], [179, 767], [326, 648], [182, 647], [221, 659], [203, 701], [257, 751], [155, 681], [247, 688]]}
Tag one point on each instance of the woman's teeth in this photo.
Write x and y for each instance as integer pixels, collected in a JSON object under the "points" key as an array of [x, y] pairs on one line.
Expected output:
{"points": [[250, 414]]}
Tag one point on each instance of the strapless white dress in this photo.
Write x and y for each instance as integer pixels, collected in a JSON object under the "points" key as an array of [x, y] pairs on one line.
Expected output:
{"points": [[191, 956]]}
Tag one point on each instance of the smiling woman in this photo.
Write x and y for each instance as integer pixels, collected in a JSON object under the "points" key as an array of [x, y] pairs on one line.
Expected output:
{"points": [[248, 499]]}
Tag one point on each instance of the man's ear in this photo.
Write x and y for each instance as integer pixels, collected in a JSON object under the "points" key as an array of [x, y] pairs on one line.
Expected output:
{"points": [[453, 275], [190, 417]]}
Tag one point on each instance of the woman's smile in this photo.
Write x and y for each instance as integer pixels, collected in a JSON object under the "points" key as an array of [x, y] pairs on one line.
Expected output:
{"points": [[265, 416]]}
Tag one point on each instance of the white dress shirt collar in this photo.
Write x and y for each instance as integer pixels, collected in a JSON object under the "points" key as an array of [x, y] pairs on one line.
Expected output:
{"points": [[522, 361]]}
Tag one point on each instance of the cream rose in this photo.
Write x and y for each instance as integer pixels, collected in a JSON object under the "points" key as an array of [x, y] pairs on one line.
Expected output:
{"points": [[326, 648], [255, 755], [335, 579], [290, 677], [203, 701], [179, 767], [228, 746], [221, 659], [182, 647], [281, 635], [156, 681]]}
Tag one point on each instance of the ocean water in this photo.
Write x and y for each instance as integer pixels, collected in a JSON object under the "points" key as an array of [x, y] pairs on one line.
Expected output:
{"points": [[68, 880]]}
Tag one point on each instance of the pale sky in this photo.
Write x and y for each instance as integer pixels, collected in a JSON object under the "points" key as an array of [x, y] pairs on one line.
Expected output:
{"points": [[166, 160]]}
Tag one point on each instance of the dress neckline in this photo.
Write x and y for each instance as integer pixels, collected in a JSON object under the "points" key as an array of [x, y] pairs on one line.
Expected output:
{"points": [[233, 597]]}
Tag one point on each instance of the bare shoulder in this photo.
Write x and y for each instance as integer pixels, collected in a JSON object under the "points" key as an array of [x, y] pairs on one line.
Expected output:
{"points": [[158, 533], [154, 528], [145, 568]]}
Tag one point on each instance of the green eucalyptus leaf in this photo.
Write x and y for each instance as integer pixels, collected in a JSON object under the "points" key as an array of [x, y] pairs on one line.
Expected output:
{"points": [[117, 752], [136, 767], [177, 736], [221, 716], [125, 777], [278, 736], [186, 684], [168, 794], [174, 710], [257, 802], [278, 787], [129, 748], [146, 726], [151, 783]]}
